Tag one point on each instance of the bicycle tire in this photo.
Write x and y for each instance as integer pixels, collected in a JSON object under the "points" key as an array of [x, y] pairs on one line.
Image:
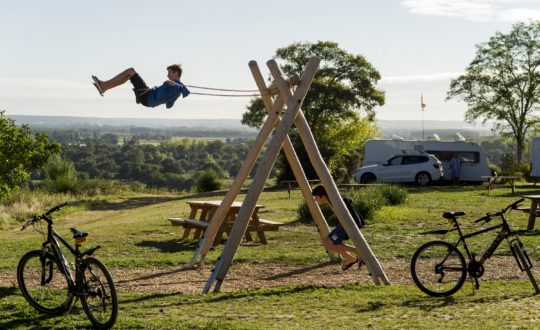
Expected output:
{"points": [[43, 283], [100, 302], [434, 261]]}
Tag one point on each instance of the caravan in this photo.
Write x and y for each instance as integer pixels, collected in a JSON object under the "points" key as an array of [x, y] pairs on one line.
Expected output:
{"points": [[473, 166]]}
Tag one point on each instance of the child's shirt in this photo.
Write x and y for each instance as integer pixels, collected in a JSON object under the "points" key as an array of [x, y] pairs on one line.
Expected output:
{"points": [[166, 94]]}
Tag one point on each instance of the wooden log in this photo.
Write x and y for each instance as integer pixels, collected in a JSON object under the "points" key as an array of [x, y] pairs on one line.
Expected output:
{"points": [[217, 219], [293, 106], [339, 207]]}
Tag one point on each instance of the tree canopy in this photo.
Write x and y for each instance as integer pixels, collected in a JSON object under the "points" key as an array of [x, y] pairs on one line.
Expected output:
{"points": [[20, 152], [502, 83], [339, 107]]}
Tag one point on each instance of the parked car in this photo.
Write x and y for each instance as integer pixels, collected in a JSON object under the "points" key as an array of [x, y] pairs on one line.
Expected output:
{"points": [[419, 168], [474, 164]]}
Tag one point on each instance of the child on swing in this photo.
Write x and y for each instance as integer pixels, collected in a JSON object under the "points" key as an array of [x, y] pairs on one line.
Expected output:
{"points": [[166, 94], [334, 240]]}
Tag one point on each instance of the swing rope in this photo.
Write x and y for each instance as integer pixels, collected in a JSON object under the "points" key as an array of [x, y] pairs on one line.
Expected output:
{"points": [[253, 92]]}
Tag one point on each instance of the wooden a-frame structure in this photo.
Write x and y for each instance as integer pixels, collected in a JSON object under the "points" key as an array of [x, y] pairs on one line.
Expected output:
{"points": [[292, 114]]}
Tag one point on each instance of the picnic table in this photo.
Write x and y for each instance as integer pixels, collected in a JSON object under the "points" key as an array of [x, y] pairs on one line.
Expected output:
{"points": [[202, 212], [533, 210], [492, 181]]}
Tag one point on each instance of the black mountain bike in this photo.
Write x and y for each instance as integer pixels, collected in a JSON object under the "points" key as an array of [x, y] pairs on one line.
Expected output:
{"points": [[47, 281], [438, 268]]}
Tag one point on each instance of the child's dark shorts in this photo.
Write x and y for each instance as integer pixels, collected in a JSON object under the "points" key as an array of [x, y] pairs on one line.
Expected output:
{"points": [[338, 235], [140, 89]]}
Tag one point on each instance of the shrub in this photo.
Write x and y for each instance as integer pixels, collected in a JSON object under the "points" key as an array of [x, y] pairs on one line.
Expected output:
{"points": [[63, 184], [208, 181], [393, 194], [366, 201]]}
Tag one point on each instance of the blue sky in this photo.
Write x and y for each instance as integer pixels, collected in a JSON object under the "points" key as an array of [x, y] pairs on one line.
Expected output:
{"points": [[49, 50]]}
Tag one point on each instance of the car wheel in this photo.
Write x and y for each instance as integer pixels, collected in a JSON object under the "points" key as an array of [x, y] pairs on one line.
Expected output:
{"points": [[423, 179], [368, 178]]}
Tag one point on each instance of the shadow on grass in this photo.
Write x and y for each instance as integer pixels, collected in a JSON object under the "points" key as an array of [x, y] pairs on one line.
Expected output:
{"points": [[21, 319], [136, 202], [431, 303], [155, 275], [132, 203], [297, 271], [170, 246], [210, 298], [8, 291], [524, 232]]}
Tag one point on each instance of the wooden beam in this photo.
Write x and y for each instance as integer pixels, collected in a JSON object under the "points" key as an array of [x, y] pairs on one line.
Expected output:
{"points": [[293, 106], [341, 211]]}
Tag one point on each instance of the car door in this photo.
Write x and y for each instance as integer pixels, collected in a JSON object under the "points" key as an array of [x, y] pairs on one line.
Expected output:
{"points": [[389, 171], [407, 170]]}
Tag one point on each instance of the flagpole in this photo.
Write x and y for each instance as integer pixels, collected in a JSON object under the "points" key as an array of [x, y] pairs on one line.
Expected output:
{"points": [[423, 125], [422, 106]]}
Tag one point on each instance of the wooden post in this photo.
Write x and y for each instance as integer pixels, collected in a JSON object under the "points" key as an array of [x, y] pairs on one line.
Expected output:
{"points": [[342, 213], [217, 220], [294, 162], [237, 232]]}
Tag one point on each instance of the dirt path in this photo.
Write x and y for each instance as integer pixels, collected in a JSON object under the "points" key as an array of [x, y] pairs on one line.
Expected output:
{"points": [[171, 279]]}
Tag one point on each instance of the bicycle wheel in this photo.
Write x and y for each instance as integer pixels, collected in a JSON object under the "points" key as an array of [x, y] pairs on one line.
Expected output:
{"points": [[43, 283], [438, 268], [99, 299]]}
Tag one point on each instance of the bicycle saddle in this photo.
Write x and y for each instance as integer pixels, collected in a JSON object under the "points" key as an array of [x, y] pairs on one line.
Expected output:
{"points": [[452, 215], [78, 234]]}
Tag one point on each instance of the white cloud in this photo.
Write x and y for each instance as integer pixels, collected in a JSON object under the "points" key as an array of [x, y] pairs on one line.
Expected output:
{"points": [[477, 10]]}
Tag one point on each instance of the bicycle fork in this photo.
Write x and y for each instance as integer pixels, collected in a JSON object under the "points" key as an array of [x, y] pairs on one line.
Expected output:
{"points": [[523, 260]]}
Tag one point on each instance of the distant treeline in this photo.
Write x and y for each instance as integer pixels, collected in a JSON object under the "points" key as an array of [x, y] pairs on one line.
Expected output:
{"points": [[176, 162], [119, 133]]}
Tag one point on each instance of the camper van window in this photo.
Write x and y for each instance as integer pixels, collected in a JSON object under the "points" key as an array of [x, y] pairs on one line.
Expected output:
{"points": [[470, 157]]}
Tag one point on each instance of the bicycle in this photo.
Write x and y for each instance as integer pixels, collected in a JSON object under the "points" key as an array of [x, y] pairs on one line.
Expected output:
{"points": [[47, 282], [438, 268]]}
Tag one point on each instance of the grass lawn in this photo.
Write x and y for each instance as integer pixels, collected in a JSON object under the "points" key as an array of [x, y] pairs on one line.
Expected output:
{"points": [[134, 233]]}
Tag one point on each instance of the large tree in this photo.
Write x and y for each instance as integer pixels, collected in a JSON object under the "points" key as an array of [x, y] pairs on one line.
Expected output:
{"points": [[339, 107], [20, 152], [502, 83]]}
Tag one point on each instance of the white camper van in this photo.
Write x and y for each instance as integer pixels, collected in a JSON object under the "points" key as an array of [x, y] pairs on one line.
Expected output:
{"points": [[474, 163]]}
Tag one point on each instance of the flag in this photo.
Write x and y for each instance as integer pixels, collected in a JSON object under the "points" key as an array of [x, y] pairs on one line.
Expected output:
{"points": [[422, 104]]}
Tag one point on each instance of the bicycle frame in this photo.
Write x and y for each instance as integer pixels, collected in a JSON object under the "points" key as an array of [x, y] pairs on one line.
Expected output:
{"points": [[53, 239], [503, 234]]}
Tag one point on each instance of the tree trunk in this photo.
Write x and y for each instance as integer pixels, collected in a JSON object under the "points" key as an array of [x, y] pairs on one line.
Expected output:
{"points": [[519, 148]]}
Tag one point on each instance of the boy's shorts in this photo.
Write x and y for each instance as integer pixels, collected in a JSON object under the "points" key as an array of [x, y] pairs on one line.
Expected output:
{"points": [[139, 88], [338, 235]]}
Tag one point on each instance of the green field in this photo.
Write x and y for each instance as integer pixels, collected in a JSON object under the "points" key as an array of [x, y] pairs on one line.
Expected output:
{"points": [[136, 236]]}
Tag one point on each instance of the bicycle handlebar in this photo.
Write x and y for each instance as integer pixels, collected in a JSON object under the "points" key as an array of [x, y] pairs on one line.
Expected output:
{"points": [[44, 215], [488, 216]]}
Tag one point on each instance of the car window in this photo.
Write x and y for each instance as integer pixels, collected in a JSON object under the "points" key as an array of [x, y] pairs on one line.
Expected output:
{"points": [[395, 161], [407, 160]]}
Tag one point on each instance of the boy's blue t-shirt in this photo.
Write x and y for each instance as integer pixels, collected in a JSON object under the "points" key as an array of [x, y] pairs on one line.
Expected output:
{"points": [[166, 94]]}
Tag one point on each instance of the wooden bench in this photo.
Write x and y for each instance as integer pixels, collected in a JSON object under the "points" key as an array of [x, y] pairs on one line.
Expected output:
{"points": [[200, 226], [188, 225]]}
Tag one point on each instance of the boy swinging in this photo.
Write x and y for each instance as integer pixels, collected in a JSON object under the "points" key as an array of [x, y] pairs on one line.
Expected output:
{"points": [[166, 94]]}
